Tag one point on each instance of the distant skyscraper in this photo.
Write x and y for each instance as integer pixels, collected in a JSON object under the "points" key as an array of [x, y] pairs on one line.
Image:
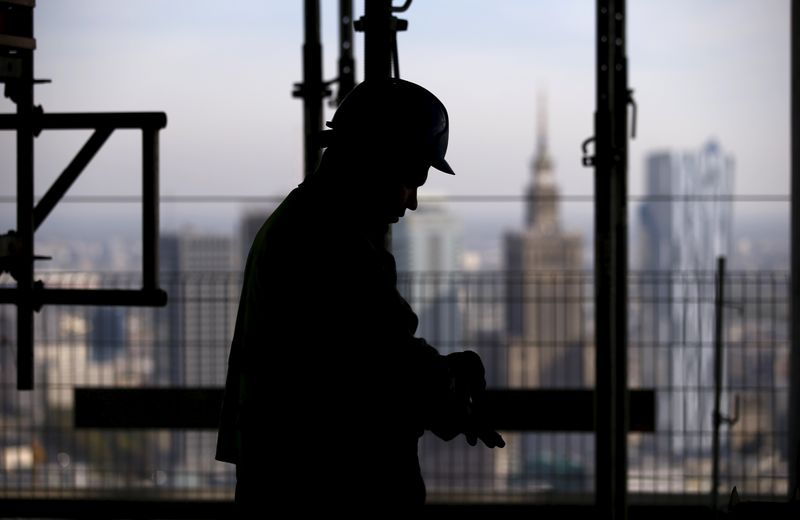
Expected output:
{"points": [[544, 317], [427, 246], [195, 268], [196, 328], [682, 238], [107, 334], [544, 320]]}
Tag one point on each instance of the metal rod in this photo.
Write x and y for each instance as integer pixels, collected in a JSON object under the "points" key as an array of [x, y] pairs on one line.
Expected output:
{"points": [[395, 56], [68, 176], [123, 297], [312, 90], [150, 208], [347, 64], [76, 121], [794, 376], [611, 261], [377, 39], [378, 51], [719, 301], [25, 222]]}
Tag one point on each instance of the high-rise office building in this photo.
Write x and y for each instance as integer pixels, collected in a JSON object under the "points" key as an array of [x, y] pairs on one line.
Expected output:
{"points": [[107, 334], [685, 227], [544, 315], [194, 269], [545, 324], [195, 331]]}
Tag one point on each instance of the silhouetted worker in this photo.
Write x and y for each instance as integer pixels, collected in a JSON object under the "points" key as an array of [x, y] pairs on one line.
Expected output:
{"points": [[328, 390]]}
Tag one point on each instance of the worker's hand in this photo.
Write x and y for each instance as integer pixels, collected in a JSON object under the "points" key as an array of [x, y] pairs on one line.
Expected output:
{"points": [[478, 426], [469, 380], [490, 438], [466, 369]]}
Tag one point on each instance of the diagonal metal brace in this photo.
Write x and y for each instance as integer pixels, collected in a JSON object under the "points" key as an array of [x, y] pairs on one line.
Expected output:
{"points": [[68, 176]]}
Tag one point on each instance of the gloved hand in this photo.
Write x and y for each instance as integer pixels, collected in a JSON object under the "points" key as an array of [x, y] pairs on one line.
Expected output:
{"points": [[469, 386]]}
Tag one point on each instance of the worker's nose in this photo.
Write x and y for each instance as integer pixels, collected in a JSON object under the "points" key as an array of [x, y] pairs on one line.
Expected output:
{"points": [[411, 201]]}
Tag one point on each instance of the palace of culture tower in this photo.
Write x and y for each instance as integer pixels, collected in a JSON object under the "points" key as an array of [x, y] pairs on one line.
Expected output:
{"points": [[545, 286]]}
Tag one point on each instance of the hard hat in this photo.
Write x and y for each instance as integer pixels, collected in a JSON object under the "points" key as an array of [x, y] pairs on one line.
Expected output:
{"points": [[394, 113]]}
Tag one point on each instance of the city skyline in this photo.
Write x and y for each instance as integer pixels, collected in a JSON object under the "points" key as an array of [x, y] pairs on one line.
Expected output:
{"points": [[186, 345], [498, 260], [686, 92]]}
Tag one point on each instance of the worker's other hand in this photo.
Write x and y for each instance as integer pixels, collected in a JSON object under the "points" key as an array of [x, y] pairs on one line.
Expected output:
{"points": [[469, 382], [469, 376], [490, 438]]}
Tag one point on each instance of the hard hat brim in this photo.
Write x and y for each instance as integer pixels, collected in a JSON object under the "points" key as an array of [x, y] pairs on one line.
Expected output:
{"points": [[442, 166]]}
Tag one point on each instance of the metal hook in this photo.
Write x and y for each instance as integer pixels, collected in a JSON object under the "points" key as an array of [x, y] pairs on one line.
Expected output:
{"points": [[731, 420], [588, 160], [632, 102], [402, 8]]}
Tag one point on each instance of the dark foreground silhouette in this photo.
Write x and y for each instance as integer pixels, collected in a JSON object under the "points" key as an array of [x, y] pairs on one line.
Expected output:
{"points": [[328, 390]]}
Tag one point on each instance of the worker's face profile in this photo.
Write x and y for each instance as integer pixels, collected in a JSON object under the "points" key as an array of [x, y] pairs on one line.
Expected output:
{"points": [[389, 175], [404, 177]]}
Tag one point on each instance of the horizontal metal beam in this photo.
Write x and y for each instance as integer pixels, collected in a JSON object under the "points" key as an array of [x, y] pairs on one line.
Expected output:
{"points": [[662, 507], [122, 297], [561, 410], [85, 120], [23, 3], [511, 410], [17, 42], [101, 505], [194, 408]]}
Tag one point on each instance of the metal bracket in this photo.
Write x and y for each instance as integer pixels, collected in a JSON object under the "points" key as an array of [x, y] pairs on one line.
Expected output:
{"points": [[11, 260], [301, 90], [395, 25], [588, 160]]}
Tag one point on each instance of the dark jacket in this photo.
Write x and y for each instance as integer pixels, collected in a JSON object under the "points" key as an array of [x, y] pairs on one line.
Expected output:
{"points": [[328, 389]]}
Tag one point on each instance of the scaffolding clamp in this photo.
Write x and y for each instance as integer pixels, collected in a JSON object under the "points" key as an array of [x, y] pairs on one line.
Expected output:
{"points": [[11, 259]]}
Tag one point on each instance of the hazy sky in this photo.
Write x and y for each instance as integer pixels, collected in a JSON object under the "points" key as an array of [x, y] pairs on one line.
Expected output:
{"points": [[223, 72]]}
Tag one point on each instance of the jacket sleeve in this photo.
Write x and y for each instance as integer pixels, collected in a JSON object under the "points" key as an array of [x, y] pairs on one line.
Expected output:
{"points": [[416, 367]]}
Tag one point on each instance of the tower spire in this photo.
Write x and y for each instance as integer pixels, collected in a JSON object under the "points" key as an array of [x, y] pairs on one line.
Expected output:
{"points": [[542, 207], [541, 122], [542, 164]]}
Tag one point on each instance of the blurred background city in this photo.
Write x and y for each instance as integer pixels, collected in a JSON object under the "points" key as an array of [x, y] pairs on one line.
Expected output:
{"points": [[498, 259]]}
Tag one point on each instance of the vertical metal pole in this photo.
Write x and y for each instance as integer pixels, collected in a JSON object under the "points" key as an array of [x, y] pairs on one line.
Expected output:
{"points": [[377, 39], [611, 270], [347, 65], [150, 208], [794, 375], [25, 220], [312, 88], [378, 51], [718, 363]]}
